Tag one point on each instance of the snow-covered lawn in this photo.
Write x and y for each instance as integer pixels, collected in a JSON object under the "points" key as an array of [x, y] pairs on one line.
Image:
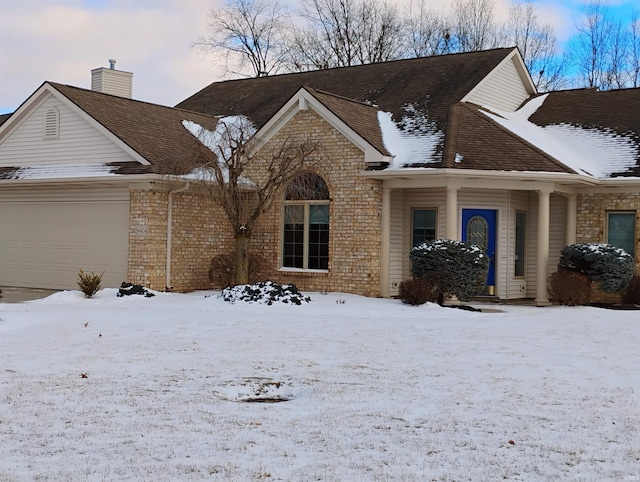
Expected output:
{"points": [[157, 388]]}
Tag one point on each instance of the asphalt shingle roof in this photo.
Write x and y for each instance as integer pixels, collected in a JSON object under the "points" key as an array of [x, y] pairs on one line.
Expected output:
{"points": [[155, 132], [430, 83]]}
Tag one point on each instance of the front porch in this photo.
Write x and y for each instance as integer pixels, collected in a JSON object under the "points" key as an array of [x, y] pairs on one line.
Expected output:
{"points": [[529, 219]]}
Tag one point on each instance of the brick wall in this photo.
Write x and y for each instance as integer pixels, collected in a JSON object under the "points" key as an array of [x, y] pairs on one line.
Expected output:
{"points": [[592, 225], [200, 230]]}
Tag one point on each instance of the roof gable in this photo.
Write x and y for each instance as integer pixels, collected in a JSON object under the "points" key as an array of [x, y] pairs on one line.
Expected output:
{"points": [[152, 136], [354, 120]]}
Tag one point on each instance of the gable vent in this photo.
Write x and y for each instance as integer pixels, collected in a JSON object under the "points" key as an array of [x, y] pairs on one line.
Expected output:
{"points": [[52, 124]]}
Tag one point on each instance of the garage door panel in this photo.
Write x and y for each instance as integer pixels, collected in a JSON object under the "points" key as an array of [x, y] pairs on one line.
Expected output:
{"points": [[44, 244]]}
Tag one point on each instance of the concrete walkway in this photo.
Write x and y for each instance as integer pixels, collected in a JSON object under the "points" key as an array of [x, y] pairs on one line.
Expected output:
{"points": [[17, 295]]}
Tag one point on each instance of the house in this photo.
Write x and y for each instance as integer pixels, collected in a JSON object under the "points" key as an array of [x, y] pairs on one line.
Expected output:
{"points": [[457, 146]]}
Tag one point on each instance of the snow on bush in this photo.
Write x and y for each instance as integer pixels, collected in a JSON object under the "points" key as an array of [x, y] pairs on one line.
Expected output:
{"points": [[453, 267], [612, 268], [266, 292], [127, 289]]}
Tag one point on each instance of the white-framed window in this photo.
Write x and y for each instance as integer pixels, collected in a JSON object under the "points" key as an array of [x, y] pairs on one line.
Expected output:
{"points": [[520, 265], [305, 232], [423, 225], [621, 230], [51, 126]]}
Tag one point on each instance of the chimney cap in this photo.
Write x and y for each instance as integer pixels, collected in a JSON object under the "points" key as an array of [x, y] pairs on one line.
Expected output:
{"points": [[112, 64]]}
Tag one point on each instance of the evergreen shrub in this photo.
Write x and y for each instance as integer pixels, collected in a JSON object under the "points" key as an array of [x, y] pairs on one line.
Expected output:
{"points": [[89, 283], [610, 267], [451, 267]]}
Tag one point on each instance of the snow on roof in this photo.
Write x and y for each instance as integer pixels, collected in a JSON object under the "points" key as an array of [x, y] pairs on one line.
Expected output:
{"points": [[229, 131], [64, 171], [595, 152], [416, 144]]}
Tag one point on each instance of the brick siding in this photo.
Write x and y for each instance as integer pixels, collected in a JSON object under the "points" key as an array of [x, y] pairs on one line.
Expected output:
{"points": [[201, 231]]}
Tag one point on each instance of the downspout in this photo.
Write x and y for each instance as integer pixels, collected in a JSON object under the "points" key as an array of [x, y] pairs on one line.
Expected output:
{"points": [[167, 275]]}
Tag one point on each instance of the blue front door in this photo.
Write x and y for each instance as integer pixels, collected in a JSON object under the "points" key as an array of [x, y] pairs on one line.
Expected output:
{"points": [[479, 228]]}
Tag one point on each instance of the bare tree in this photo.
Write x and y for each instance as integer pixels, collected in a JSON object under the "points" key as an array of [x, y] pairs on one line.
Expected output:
{"points": [[338, 33], [634, 50], [244, 178], [246, 32], [427, 31], [538, 45], [590, 47], [474, 25]]}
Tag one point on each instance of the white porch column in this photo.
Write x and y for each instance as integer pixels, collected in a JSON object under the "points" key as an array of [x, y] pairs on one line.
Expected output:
{"points": [[572, 215], [452, 213], [542, 274], [386, 242]]}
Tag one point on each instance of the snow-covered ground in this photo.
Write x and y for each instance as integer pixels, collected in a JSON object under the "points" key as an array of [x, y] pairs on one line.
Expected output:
{"points": [[159, 388]]}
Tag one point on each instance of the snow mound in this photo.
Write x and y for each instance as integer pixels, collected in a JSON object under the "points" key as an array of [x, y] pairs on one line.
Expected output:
{"points": [[265, 292]]}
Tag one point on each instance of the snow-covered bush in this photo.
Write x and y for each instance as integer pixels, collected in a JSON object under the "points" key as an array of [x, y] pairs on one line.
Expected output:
{"points": [[610, 267], [452, 267], [127, 289], [569, 288], [266, 292], [416, 291]]}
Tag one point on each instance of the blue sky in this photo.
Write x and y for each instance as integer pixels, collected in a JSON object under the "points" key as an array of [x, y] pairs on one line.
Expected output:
{"points": [[62, 40]]}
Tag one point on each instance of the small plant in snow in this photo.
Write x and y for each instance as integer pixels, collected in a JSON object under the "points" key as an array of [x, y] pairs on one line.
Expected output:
{"points": [[612, 268], [89, 283], [417, 291], [341, 301], [451, 267]]}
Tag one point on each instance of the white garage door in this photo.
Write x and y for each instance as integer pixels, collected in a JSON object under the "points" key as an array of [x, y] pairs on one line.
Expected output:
{"points": [[46, 237]]}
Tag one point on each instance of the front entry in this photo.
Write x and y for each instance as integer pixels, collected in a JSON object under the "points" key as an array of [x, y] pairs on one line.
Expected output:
{"points": [[479, 228]]}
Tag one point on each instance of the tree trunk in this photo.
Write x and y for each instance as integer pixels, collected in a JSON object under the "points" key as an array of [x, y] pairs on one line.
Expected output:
{"points": [[242, 258]]}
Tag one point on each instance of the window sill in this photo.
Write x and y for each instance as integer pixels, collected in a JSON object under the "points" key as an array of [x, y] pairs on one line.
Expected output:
{"points": [[304, 272]]}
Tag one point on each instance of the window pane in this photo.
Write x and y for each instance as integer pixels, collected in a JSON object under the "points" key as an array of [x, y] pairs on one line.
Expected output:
{"points": [[424, 226], [622, 231], [521, 226], [293, 247], [318, 237], [319, 214]]}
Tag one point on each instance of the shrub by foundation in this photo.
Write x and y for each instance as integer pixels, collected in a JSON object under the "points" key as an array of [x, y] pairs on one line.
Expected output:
{"points": [[631, 295], [416, 291], [569, 288], [222, 269], [89, 283]]}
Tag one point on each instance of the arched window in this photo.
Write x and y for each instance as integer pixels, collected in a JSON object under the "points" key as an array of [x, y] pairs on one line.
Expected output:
{"points": [[306, 223], [52, 124]]}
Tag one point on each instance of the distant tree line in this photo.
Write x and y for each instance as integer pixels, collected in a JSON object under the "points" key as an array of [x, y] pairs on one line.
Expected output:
{"points": [[268, 38]]}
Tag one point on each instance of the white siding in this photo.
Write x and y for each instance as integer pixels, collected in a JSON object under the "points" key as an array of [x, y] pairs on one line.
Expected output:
{"points": [[48, 235], [114, 82], [77, 142], [502, 89], [519, 202], [397, 254]]}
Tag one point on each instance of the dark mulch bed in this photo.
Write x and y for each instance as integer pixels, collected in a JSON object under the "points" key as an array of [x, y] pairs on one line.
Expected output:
{"points": [[615, 306]]}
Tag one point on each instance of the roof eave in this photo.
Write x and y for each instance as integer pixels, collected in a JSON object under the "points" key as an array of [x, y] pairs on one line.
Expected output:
{"points": [[531, 180]]}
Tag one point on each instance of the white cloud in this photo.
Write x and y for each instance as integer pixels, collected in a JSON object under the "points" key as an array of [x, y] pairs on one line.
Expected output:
{"points": [[63, 41]]}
